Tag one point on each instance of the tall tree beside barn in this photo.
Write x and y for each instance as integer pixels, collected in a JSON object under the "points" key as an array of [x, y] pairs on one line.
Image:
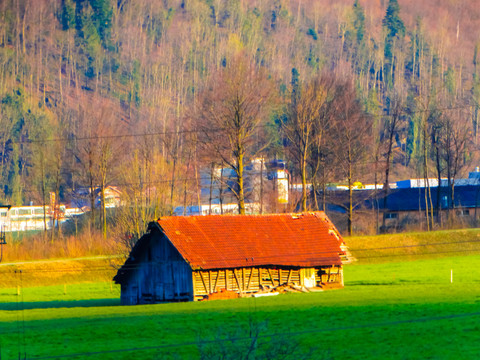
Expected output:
{"points": [[392, 125], [230, 114], [350, 131], [454, 142], [303, 126]]}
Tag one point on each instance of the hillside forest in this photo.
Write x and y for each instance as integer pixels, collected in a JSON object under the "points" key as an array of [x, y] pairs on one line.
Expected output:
{"points": [[147, 95]]}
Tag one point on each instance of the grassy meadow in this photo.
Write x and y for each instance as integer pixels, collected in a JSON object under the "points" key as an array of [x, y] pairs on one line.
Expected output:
{"points": [[406, 307]]}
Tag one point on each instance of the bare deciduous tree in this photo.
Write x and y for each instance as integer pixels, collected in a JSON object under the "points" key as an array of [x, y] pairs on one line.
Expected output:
{"points": [[304, 126], [350, 135], [229, 115], [392, 126], [99, 151]]}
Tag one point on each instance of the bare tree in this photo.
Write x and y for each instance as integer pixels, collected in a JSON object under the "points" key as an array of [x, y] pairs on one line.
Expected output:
{"points": [[98, 150], [229, 115], [392, 127], [454, 142], [350, 134], [304, 126]]}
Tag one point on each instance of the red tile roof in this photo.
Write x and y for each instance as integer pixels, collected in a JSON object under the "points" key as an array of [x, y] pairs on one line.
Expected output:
{"points": [[233, 241]]}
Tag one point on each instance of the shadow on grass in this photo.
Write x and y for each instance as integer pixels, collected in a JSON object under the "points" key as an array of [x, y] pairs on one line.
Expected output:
{"points": [[15, 306]]}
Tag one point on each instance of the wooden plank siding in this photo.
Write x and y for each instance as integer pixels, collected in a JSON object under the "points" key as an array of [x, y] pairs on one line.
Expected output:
{"points": [[161, 275], [252, 279]]}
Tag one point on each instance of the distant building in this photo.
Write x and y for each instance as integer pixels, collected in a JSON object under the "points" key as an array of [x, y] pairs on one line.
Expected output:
{"points": [[32, 218], [407, 200], [81, 197], [112, 197], [216, 209], [218, 188]]}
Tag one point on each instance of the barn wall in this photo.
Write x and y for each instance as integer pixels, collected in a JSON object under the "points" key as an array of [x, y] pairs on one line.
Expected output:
{"points": [[128, 295], [162, 275], [252, 279]]}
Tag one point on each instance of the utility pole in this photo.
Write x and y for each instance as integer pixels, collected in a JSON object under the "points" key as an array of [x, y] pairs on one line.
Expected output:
{"points": [[2, 242], [2, 235]]}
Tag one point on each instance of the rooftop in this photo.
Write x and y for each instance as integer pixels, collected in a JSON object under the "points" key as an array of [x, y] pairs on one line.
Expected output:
{"points": [[233, 241]]}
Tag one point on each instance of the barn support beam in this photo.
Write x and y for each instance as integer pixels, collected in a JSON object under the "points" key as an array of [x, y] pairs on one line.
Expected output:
{"points": [[216, 281], [250, 278], [209, 281], [203, 281], [271, 276], [243, 279], [226, 279], [238, 281]]}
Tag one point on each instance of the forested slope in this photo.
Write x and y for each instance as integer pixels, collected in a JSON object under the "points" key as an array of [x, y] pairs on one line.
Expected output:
{"points": [[103, 92]]}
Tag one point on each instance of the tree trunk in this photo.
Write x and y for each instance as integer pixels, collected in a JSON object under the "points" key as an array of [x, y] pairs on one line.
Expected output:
{"points": [[350, 192], [92, 190], [304, 183], [104, 210], [211, 190], [197, 182], [172, 184], [439, 177], [350, 205], [324, 188], [220, 191], [241, 190], [42, 170]]}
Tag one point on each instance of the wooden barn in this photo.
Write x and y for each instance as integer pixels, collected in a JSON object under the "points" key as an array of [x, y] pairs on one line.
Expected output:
{"points": [[192, 258]]}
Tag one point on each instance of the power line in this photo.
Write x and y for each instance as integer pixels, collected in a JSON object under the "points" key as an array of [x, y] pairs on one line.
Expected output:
{"points": [[196, 131], [146, 183], [98, 137], [119, 136]]}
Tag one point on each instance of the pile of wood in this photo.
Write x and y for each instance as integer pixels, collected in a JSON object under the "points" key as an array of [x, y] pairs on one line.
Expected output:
{"points": [[285, 288], [267, 290]]}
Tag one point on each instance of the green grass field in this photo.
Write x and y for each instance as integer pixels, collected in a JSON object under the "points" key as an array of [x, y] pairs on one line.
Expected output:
{"points": [[395, 310]]}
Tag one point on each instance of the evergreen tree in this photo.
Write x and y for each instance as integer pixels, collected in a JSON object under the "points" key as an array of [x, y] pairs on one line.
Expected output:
{"points": [[392, 21], [359, 21], [67, 16], [295, 85], [102, 19], [395, 32], [393, 25], [355, 39], [91, 39]]}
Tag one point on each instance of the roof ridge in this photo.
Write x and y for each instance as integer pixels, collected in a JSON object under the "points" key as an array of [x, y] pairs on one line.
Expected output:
{"points": [[314, 213]]}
